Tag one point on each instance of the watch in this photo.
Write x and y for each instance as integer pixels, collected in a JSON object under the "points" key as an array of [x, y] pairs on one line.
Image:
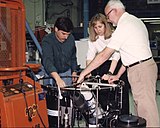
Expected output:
{"points": [[109, 73]]}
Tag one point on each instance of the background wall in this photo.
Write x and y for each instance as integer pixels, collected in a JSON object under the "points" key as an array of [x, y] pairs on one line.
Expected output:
{"points": [[82, 48], [35, 13], [42, 12], [69, 8]]}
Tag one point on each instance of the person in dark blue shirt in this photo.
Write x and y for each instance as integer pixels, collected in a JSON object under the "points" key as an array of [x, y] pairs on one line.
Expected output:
{"points": [[59, 59], [59, 52]]}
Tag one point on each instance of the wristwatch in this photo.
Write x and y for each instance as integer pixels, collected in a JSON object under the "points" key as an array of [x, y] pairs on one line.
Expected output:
{"points": [[109, 73]]}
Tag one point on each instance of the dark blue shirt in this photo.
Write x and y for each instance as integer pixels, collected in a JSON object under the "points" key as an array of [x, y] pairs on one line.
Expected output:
{"points": [[58, 57]]}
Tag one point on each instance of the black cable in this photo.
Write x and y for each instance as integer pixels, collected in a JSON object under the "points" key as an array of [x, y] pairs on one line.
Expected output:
{"points": [[24, 95], [40, 118], [27, 110], [78, 117], [74, 105], [73, 85], [35, 97], [60, 76]]}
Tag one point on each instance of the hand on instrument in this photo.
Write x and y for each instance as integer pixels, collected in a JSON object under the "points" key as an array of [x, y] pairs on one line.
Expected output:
{"points": [[81, 78], [89, 75], [60, 82], [58, 79], [105, 77], [112, 79]]}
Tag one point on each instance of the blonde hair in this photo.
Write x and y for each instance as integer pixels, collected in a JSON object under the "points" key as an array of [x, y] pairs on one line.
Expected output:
{"points": [[102, 19]]}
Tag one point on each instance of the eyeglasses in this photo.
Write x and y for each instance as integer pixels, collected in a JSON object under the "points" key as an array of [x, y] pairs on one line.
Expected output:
{"points": [[107, 15]]}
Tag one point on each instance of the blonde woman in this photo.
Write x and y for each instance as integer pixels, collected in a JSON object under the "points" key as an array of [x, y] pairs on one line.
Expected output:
{"points": [[100, 32]]}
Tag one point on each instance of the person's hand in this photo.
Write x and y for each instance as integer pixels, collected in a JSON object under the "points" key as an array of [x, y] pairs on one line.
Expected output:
{"points": [[81, 78], [60, 82], [112, 79], [89, 75], [105, 77], [74, 78]]}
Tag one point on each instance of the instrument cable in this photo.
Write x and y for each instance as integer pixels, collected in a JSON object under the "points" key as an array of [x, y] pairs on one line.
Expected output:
{"points": [[32, 75], [24, 95]]}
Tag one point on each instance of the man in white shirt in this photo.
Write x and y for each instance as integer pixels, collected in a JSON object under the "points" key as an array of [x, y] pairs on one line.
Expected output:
{"points": [[131, 39]]}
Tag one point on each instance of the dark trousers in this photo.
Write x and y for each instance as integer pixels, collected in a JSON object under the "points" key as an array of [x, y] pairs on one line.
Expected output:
{"points": [[52, 106], [109, 95]]}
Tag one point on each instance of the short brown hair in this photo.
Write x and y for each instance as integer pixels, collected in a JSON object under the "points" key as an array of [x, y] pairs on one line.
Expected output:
{"points": [[64, 24]]}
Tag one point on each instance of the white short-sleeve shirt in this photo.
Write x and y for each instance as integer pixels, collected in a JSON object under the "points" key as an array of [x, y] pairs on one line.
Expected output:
{"points": [[131, 39], [97, 46]]}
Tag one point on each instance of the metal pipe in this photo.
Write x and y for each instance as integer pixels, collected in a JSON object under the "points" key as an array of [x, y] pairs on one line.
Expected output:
{"points": [[85, 17]]}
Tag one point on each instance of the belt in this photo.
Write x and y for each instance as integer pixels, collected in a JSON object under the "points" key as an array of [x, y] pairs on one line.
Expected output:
{"points": [[131, 65]]}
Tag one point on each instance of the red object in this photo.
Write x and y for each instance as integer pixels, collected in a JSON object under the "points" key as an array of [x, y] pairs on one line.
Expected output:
{"points": [[18, 105], [13, 109], [40, 33]]}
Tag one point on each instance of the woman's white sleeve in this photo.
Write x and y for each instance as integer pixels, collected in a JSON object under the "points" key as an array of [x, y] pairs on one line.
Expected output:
{"points": [[91, 51], [115, 56]]}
